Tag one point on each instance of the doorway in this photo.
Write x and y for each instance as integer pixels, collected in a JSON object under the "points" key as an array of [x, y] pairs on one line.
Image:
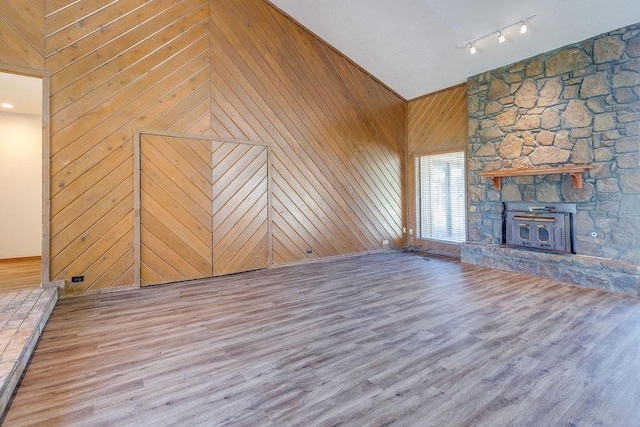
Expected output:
{"points": [[21, 181], [202, 205]]}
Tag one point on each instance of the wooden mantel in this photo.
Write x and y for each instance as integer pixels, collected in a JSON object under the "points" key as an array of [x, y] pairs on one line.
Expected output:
{"points": [[575, 171]]}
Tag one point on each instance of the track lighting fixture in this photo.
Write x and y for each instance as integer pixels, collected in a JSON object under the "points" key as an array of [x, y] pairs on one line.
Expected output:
{"points": [[501, 38]]}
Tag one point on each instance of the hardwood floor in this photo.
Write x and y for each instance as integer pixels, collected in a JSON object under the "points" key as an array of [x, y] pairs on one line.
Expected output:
{"points": [[383, 339], [20, 273]]}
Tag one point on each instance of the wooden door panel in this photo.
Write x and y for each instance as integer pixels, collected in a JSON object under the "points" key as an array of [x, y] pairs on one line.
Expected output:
{"points": [[240, 207], [176, 209], [158, 182], [183, 177]]}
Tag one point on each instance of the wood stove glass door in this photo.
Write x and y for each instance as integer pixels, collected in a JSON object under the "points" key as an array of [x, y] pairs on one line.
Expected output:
{"points": [[524, 233]]}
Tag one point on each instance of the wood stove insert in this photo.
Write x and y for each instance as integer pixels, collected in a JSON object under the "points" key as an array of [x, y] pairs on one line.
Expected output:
{"points": [[545, 226]]}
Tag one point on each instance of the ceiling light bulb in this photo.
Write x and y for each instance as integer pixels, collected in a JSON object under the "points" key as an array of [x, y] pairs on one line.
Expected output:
{"points": [[501, 37], [8, 106], [472, 49], [523, 28]]}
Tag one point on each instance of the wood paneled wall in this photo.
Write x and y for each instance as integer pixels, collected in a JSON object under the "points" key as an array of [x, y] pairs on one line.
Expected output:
{"points": [[338, 135], [115, 68], [437, 123], [214, 68], [22, 33]]}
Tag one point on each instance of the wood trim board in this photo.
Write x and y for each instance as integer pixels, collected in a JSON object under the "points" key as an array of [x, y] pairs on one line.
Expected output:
{"points": [[46, 180], [46, 166], [24, 258], [137, 263]]}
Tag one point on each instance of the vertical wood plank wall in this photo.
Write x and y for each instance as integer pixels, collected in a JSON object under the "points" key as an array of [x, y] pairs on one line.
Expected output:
{"points": [[223, 68], [436, 123]]}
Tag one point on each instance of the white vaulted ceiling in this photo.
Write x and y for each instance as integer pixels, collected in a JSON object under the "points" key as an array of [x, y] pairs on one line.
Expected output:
{"points": [[411, 45]]}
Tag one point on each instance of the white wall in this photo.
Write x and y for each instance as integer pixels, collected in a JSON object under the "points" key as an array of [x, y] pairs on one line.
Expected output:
{"points": [[20, 185]]}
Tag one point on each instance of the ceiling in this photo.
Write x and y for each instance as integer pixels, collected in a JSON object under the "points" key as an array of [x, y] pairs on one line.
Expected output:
{"points": [[411, 45], [24, 93]]}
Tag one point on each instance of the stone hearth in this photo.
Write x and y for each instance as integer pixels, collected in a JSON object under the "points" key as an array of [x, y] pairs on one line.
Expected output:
{"points": [[591, 272]]}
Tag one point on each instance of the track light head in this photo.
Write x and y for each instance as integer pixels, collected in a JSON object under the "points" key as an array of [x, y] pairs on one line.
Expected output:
{"points": [[500, 31]]}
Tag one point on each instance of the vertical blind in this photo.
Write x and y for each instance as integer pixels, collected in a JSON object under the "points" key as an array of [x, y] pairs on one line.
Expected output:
{"points": [[441, 197]]}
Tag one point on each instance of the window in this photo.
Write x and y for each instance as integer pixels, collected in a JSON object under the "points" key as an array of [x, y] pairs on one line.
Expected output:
{"points": [[441, 197]]}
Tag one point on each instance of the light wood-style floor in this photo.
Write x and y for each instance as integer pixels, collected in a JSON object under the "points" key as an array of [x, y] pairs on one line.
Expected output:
{"points": [[20, 273], [383, 339]]}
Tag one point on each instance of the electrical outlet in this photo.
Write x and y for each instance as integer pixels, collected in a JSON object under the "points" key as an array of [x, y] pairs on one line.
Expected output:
{"points": [[385, 242], [410, 232], [404, 230], [76, 279], [309, 251]]}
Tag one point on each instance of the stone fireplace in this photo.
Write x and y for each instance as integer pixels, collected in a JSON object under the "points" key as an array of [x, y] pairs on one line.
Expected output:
{"points": [[578, 105]]}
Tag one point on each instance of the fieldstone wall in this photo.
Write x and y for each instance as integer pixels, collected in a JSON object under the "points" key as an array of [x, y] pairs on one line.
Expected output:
{"points": [[576, 105]]}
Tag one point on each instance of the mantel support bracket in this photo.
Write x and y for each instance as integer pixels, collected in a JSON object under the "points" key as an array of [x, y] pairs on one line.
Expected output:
{"points": [[576, 177], [497, 182]]}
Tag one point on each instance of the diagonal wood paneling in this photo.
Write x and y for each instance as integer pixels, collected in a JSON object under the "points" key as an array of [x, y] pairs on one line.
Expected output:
{"points": [[240, 207], [338, 135], [175, 214], [115, 67], [437, 123], [219, 68], [22, 33]]}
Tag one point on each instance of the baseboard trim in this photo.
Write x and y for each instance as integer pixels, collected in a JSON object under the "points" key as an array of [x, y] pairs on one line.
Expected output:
{"points": [[66, 294], [329, 258], [25, 258]]}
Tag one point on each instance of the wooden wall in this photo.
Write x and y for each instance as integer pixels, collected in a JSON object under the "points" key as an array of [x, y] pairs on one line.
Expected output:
{"points": [[22, 34], [219, 68], [437, 123], [127, 65], [338, 135]]}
